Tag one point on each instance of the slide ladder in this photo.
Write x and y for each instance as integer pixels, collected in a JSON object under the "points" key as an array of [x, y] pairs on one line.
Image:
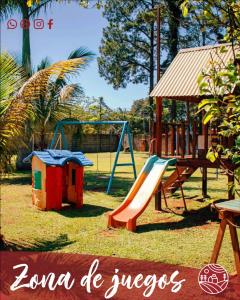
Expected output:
{"points": [[177, 179]]}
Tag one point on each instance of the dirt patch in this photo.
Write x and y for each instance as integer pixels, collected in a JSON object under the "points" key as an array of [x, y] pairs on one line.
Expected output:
{"points": [[208, 226], [164, 219], [108, 233]]}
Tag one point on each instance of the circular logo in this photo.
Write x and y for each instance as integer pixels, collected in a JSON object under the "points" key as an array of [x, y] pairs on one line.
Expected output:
{"points": [[213, 279]]}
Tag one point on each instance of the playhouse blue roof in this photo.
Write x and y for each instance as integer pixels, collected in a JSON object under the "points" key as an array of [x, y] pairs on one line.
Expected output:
{"points": [[59, 157]]}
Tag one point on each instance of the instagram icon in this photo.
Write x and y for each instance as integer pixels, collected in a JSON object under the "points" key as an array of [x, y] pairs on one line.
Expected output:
{"points": [[38, 23]]}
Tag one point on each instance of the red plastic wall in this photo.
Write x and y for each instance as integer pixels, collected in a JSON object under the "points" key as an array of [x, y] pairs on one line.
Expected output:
{"points": [[54, 188]]}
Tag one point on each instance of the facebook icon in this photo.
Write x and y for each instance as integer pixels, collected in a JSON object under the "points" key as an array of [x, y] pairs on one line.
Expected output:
{"points": [[50, 23]]}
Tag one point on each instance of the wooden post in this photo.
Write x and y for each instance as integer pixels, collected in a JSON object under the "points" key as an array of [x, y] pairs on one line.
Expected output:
{"points": [[158, 205], [183, 138], [194, 139], [159, 110], [153, 143], [158, 42], [166, 139], [231, 195], [188, 128], [204, 173], [159, 125], [178, 139], [172, 139]]}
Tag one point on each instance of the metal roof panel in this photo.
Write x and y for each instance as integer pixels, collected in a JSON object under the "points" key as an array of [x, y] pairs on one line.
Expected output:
{"points": [[180, 78]]}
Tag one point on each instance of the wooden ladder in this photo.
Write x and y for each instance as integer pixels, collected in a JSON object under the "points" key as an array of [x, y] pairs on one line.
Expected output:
{"points": [[175, 182]]}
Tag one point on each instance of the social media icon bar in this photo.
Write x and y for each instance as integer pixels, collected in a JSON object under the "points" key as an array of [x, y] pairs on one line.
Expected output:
{"points": [[25, 24], [12, 24], [38, 23]]}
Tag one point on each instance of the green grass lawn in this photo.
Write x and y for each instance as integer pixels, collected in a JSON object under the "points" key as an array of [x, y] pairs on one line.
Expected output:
{"points": [[185, 239]]}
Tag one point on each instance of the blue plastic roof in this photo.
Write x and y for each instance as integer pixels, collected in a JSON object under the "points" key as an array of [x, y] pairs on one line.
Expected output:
{"points": [[59, 157]]}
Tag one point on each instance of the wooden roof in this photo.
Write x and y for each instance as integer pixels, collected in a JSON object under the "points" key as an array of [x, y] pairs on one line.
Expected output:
{"points": [[179, 82]]}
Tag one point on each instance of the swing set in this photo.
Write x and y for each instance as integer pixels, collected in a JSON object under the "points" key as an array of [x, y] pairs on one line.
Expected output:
{"points": [[59, 130]]}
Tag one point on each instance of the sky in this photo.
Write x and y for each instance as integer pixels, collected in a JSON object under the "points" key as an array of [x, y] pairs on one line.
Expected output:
{"points": [[73, 27]]}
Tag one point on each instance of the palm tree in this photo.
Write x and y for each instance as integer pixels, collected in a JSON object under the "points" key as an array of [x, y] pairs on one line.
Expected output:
{"points": [[60, 101], [7, 7], [17, 107], [28, 10], [12, 77]]}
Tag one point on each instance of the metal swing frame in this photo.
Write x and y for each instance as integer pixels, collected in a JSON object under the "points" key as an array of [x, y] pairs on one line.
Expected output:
{"points": [[125, 130]]}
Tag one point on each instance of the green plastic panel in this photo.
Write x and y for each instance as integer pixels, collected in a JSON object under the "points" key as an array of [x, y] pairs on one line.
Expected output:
{"points": [[38, 180]]}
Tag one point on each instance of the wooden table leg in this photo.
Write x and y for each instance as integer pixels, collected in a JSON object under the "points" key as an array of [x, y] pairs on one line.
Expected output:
{"points": [[235, 246], [218, 242]]}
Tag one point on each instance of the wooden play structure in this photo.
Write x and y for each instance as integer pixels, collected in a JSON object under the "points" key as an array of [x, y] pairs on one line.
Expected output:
{"points": [[57, 177], [187, 141]]}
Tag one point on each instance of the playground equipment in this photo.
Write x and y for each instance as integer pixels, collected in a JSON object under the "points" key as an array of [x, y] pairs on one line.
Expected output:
{"points": [[125, 130], [141, 193], [57, 176], [189, 140]]}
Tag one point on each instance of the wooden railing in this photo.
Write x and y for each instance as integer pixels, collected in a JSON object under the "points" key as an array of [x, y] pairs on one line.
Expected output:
{"points": [[185, 140], [179, 139]]}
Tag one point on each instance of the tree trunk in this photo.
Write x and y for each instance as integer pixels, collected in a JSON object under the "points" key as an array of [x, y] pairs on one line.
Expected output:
{"points": [[151, 78], [26, 49], [42, 139], [174, 23]]}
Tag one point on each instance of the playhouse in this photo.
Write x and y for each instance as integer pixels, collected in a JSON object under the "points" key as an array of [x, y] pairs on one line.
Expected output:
{"points": [[57, 177]]}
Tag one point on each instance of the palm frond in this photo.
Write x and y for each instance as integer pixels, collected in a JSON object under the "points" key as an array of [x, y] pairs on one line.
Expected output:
{"points": [[80, 53], [44, 63], [12, 77], [12, 113], [37, 6], [12, 121], [8, 7], [70, 92], [38, 84]]}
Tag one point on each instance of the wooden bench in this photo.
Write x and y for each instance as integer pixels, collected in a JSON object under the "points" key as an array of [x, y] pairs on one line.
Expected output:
{"points": [[227, 210]]}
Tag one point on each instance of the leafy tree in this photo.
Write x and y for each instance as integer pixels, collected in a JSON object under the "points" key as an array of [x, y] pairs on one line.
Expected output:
{"points": [[222, 109], [222, 16], [222, 82], [95, 109], [128, 48]]}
